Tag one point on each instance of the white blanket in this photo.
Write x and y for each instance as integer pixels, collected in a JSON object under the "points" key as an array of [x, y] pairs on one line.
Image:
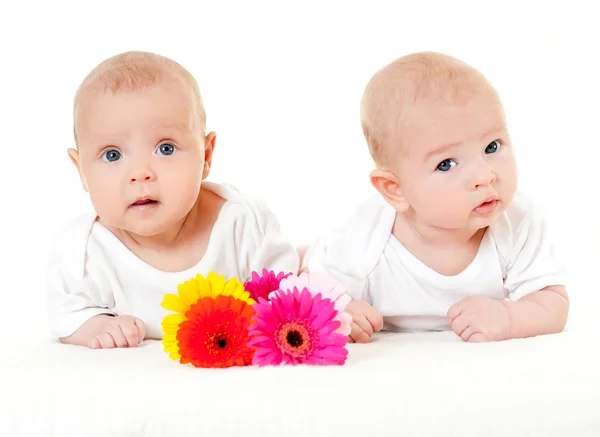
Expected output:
{"points": [[399, 385]]}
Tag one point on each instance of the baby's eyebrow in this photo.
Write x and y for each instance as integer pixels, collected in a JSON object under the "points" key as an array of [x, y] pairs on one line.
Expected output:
{"points": [[439, 150], [107, 140], [444, 147], [178, 126], [497, 129]]}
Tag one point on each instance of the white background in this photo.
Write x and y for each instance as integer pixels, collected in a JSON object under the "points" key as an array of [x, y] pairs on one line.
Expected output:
{"points": [[281, 84]]}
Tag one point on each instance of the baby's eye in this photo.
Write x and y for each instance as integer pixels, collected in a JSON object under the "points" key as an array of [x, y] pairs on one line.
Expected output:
{"points": [[166, 149], [446, 165], [111, 155], [493, 147]]}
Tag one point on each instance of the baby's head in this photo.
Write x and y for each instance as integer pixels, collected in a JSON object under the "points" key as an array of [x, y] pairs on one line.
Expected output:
{"points": [[437, 133], [142, 150]]}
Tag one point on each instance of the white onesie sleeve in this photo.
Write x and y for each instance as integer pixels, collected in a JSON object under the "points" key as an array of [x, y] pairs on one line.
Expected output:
{"points": [[529, 260], [274, 252], [259, 243], [70, 298], [351, 252]]}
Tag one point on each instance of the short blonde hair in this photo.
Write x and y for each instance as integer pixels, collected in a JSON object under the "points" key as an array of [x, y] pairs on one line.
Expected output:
{"points": [[425, 77], [134, 71]]}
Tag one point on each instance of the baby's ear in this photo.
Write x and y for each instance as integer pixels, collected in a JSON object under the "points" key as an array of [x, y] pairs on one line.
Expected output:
{"points": [[388, 186], [74, 155], [209, 147]]}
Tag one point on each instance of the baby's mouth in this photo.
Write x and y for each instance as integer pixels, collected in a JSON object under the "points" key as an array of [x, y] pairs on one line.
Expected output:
{"points": [[144, 203], [487, 206]]}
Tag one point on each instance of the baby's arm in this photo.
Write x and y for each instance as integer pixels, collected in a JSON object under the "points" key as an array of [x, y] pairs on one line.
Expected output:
{"points": [[76, 317], [105, 331], [540, 312], [79, 297], [535, 279], [366, 320], [273, 251], [479, 318], [533, 282]]}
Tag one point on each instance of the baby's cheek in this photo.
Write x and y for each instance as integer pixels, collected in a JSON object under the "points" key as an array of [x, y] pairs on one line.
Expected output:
{"points": [[178, 194], [509, 181], [445, 205], [108, 203], [506, 170]]}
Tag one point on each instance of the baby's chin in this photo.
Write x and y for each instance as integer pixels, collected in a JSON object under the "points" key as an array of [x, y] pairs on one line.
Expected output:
{"points": [[473, 222], [151, 228], [480, 221], [143, 228]]}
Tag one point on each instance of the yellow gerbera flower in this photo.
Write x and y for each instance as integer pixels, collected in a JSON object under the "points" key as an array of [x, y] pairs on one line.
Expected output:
{"points": [[188, 294]]}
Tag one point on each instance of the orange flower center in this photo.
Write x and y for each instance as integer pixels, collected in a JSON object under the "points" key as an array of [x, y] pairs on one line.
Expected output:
{"points": [[296, 338]]}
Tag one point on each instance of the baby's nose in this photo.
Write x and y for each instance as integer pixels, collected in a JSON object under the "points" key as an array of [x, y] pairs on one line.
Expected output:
{"points": [[145, 175], [484, 176]]}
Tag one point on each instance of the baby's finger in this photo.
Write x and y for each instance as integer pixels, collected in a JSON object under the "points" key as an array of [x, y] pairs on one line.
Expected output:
{"points": [[363, 323], [141, 329], [129, 331], [478, 337], [104, 339], [467, 334], [375, 319], [94, 343], [358, 334], [117, 335], [455, 310], [460, 324]]}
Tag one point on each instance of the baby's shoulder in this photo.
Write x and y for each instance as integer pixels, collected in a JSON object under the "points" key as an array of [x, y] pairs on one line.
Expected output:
{"points": [[70, 243], [371, 222], [521, 212], [519, 219], [359, 243], [74, 233], [247, 213]]}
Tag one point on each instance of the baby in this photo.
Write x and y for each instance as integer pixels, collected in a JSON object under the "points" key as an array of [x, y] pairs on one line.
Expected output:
{"points": [[448, 242], [143, 155]]}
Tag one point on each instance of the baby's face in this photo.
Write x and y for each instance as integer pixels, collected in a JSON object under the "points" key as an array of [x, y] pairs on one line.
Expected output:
{"points": [[141, 157], [458, 169]]}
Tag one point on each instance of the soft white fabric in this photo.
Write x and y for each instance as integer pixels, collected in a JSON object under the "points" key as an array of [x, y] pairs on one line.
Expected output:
{"points": [[91, 272], [410, 385], [515, 258]]}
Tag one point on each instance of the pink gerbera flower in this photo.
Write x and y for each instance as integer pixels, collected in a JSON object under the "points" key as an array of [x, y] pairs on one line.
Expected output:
{"points": [[297, 327], [262, 285], [328, 287]]}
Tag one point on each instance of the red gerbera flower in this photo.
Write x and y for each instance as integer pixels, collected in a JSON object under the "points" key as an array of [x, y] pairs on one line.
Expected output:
{"points": [[215, 333]]}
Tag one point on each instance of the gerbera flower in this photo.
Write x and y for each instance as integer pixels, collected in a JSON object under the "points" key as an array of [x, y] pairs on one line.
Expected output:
{"points": [[188, 294], [215, 333], [328, 287], [262, 285], [297, 327]]}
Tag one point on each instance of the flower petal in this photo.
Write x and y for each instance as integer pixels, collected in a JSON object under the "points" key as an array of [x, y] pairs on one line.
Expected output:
{"points": [[171, 322], [345, 320], [325, 314], [174, 303]]}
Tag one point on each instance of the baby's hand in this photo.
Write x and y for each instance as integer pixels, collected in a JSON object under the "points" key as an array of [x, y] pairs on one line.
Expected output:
{"points": [[478, 319], [365, 321], [119, 331]]}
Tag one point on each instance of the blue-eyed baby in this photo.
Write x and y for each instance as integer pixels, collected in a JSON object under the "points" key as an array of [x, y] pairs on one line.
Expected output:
{"points": [[143, 154]]}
